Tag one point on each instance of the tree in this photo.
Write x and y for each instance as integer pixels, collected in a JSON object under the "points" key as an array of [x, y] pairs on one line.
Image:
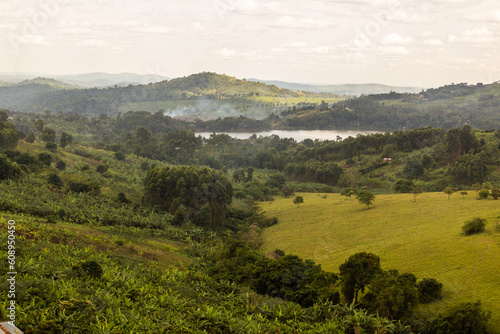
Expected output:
{"points": [[45, 158], [356, 273], [288, 191], [429, 289], [365, 197], [448, 191], [495, 193], [297, 200], [48, 135], [250, 171], [239, 175], [66, 139], [413, 169], [31, 137], [416, 191], [7, 169], [403, 186], [168, 188], [475, 225], [8, 135], [348, 192], [466, 318], [39, 125]]}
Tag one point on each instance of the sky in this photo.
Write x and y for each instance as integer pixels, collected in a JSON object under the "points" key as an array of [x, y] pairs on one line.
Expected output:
{"points": [[425, 43]]}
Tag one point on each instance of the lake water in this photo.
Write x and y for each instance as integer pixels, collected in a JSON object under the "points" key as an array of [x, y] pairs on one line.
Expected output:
{"points": [[298, 135]]}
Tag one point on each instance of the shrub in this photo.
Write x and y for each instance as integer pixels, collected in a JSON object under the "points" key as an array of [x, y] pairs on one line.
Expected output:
{"points": [[123, 199], [102, 169], [145, 166], [60, 165], [85, 167], [55, 180], [428, 290], [52, 147], [495, 193], [45, 158], [404, 186], [90, 269], [288, 191], [7, 169], [475, 225], [119, 156], [484, 193], [465, 318]]}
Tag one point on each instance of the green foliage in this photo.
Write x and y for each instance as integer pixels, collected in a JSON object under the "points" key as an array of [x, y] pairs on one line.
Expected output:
{"points": [[31, 137], [416, 191], [404, 186], [45, 158], [288, 277], [298, 200], [429, 289], [356, 273], [48, 135], [122, 198], [287, 191], [190, 186], [55, 180], [413, 169], [8, 135], [102, 169], [52, 147], [466, 318], [61, 165], [449, 191], [91, 269], [66, 139], [484, 193], [475, 225], [495, 193], [348, 192], [119, 156], [275, 180], [392, 295], [7, 169], [469, 168], [365, 197]]}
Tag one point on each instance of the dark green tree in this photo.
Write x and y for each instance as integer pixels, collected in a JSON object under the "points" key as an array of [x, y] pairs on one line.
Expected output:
{"points": [[449, 191], [415, 192], [365, 197], [66, 139], [466, 318], [298, 200], [429, 289], [356, 273], [192, 187], [48, 135], [31, 137]]}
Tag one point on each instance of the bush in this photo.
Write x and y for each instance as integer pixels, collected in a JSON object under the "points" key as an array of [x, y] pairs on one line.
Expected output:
{"points": [[55, 180], [428, 290], [288, 191], [102, 169], [476, 225], [45, 158], [7, 169], [60, 165], [484, 193], [404, 186], [465, 318], [52, 147], [90, 269], [119, 156]]}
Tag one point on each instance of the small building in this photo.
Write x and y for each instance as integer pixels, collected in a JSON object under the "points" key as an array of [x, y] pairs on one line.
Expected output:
{"points": [[7, 328], [387, 160]]}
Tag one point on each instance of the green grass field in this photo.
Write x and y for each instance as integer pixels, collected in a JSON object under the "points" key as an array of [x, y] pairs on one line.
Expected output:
{"points": [[423, 238]]}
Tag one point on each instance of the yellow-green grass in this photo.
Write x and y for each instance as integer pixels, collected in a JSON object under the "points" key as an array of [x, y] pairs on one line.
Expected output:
{"points": [[424, 238]]}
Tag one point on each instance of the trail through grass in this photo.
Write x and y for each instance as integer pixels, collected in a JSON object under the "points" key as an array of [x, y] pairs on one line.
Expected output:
{"points": [[423, 238]]}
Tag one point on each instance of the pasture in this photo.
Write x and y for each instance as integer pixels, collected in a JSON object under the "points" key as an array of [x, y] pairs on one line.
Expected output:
{"points": [[423, 238]]}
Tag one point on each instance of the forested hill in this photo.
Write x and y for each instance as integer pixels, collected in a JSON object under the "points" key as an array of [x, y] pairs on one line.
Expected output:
{"points": [[445, 107], [41, 94]]}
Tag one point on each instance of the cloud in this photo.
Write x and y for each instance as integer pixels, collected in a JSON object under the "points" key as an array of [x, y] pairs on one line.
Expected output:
{"points": [[231, 53], [433, 42], [153, 29], [290, 22], [92, 43], [396, 39]]}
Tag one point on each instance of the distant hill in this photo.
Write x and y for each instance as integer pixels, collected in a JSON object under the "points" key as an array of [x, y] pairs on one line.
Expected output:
{"points": [[40, 94], [346, 89], [89, 80]]}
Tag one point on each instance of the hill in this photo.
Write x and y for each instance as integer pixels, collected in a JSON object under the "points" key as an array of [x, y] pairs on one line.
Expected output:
{"points": [[39, 96], [344, 89], [423, 238]]}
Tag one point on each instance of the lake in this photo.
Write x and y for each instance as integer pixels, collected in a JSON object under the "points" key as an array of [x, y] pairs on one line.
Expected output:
{"points": [[298, 135]]}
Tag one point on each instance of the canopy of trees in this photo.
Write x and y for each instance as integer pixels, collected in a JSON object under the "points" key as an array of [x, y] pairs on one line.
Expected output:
{"points": [[189, 187]]}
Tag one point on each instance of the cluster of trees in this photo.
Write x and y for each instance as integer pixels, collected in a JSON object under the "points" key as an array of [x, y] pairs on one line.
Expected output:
{"points": [[187, 191], [314, 171]]}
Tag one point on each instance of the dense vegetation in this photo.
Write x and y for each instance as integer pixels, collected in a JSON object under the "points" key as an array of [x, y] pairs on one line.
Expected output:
{"points": [[158, 230]]}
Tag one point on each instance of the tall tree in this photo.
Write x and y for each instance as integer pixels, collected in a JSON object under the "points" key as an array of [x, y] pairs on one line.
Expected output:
{"points": [[356, 273]]}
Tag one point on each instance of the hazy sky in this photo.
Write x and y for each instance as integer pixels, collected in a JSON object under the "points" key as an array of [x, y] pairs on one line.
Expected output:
{"points": [[423, 43]]}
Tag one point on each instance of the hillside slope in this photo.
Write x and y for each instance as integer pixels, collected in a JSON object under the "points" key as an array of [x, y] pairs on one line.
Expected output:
{"points": [[423, 238]]}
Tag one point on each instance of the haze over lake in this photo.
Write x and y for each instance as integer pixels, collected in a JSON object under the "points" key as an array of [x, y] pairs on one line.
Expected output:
{"points": [[298, 135]]}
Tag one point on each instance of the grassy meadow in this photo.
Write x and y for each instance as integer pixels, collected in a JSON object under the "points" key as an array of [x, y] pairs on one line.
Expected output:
{"points": [[423, 238]]}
